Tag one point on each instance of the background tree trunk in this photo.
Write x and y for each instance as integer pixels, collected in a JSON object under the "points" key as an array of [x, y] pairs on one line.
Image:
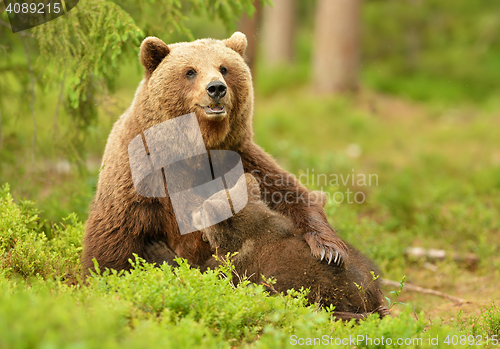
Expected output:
{"points": [[336, 46], [249, 26], [278, 30]]}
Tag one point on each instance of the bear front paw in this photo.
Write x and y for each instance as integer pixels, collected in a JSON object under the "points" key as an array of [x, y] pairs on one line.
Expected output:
{"points": [[328, 247], [158, 252], [382, 311]]}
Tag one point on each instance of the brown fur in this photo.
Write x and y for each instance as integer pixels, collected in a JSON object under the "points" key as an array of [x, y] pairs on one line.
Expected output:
{"points": [[269, 244], [121, 222]]}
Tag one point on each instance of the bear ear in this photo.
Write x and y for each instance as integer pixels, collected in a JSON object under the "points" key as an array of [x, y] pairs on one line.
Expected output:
{"points": [[318, 196], [153, 50], [237, 42]]}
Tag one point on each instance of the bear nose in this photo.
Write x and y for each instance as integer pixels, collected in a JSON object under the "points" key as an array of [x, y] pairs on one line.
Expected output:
{"points": [[216, 90]]}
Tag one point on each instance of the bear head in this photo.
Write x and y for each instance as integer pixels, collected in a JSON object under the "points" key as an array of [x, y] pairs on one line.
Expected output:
{"points": [[208, 77]]}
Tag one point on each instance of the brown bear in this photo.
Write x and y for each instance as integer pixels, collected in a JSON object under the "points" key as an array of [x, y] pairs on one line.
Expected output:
{"points": [[268, 244], [211, 79]]}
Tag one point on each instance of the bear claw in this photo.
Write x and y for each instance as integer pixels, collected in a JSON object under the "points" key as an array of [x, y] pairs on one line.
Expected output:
{"points": [[382, 311], [321, 247], [336, 257], [338, 260]]}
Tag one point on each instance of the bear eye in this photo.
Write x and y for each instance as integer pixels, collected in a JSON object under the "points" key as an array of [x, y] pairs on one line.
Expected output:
{"points": [[191, 73], [223, 70]]}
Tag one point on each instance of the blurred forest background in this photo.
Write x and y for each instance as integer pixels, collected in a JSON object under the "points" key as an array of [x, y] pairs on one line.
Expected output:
{"points": [[408, 90]]}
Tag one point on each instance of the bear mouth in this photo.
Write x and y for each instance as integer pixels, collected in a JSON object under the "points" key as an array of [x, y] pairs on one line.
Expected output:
{"points": [[215, 111]]}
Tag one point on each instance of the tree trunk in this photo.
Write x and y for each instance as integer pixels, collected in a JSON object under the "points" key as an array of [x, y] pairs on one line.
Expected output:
{"points": [[336, 46], [249, 26], [278, 29]]}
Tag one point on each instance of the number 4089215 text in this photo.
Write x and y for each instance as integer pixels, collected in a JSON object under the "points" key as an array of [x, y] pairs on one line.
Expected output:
{"points": [[34, 8]]}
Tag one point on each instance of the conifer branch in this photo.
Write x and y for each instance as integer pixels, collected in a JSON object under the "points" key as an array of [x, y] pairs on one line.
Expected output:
{"points": [[32, 99]]}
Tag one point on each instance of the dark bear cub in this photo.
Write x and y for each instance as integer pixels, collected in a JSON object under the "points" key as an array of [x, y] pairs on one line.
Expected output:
{"points": [[269, 244]]}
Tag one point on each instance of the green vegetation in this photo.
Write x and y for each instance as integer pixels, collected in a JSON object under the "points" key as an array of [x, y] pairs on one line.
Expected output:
{"points": [[435, 51], [425, 123], [28, 251], [45, 305]]}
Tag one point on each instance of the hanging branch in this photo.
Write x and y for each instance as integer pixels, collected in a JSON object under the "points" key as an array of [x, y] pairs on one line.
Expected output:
{"points": [[59, 101], [32, 101]]}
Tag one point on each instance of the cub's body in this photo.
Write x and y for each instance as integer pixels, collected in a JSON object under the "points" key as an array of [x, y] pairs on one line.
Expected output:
{"points": [[269, 245]]}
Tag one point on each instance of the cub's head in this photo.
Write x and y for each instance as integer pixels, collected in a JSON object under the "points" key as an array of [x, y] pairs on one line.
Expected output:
{"points": [[229, 235], [208, 77], [255, 221]]}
